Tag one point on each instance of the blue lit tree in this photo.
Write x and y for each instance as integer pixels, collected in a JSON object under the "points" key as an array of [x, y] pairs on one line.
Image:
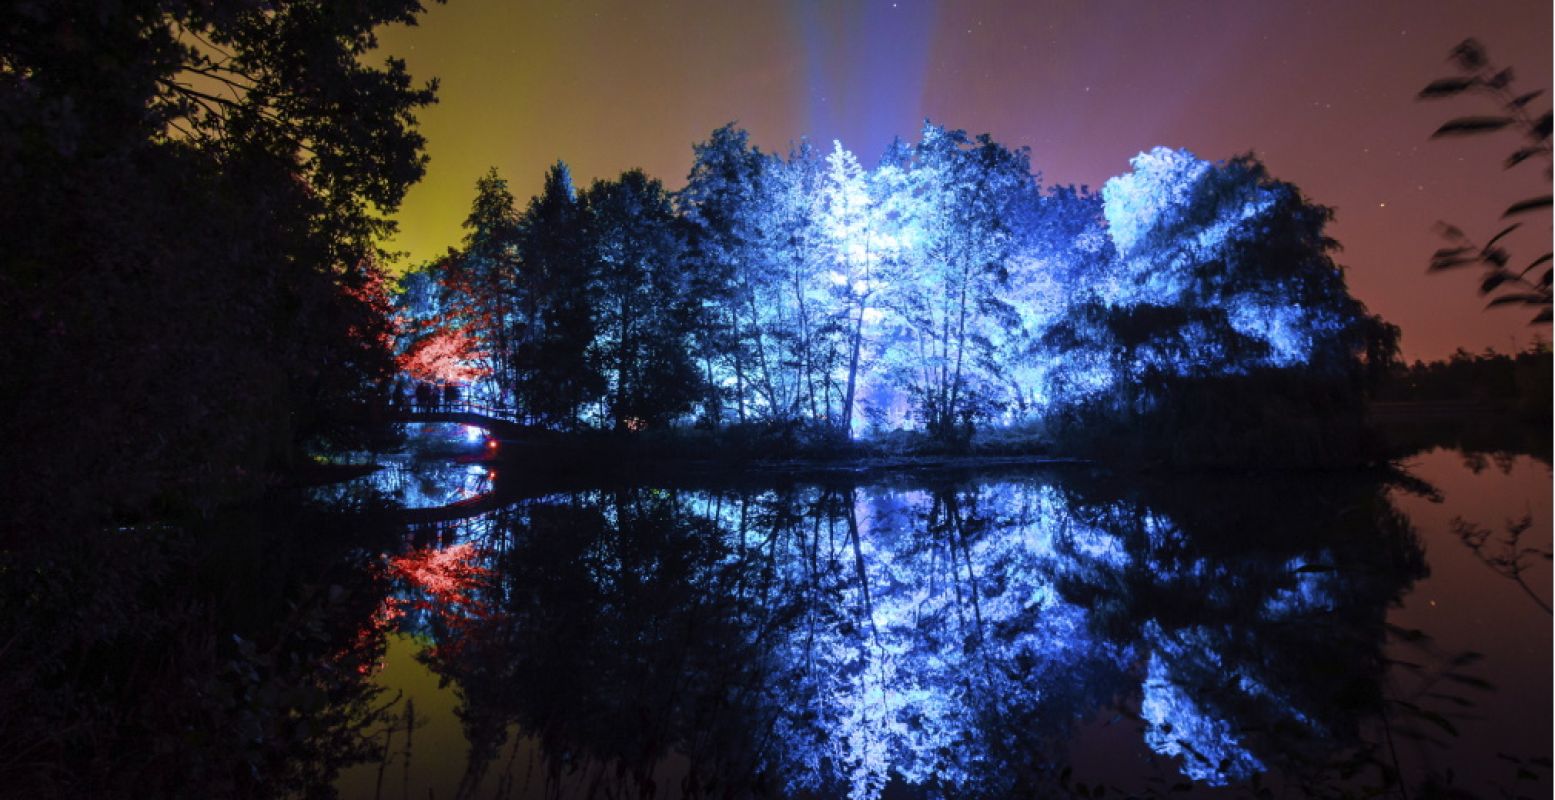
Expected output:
{"points": [[785, 337], [1063, 256], [945, 296], [1224, 298], [720, 202], [940, 291], [555, 376]]}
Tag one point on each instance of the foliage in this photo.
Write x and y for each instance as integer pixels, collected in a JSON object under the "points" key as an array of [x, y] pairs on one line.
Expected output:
{"points": [[1519, 381], [447, 355], [1225, 333], [644, 308], [169, 662], [1476, 74], [941, 291], [189, 289]]}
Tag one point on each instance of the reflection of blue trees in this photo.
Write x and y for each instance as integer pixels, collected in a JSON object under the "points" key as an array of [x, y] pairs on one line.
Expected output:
{"points": [[946, 635]]}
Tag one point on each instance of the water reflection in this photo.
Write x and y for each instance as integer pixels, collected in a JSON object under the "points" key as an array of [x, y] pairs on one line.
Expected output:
{"points": [[948, 634], [404, 481]]}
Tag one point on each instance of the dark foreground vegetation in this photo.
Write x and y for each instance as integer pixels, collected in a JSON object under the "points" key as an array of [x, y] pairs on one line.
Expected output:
{"points": [[190, 295]]}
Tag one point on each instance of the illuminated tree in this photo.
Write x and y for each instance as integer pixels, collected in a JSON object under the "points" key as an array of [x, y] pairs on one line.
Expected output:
{"points": [[1221, 271], [772, 299], [719, 203], [946, 294], [1063, 256], [791, 296], [447, 355], [857, 245]]}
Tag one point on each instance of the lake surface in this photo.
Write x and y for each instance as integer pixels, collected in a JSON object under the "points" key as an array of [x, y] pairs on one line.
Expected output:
{"points": [[442, 629], [1035, 632]]}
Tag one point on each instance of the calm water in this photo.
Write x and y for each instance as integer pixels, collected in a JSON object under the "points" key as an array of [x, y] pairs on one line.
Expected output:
{"points": [[1032, 633], [439, 630]]}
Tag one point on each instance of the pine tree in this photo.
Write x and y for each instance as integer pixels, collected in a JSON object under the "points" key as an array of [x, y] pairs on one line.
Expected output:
{"points": [[481, 283], [555, 376], [718, 203]]}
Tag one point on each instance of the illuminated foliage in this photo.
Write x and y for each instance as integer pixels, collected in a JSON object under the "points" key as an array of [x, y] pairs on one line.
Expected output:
{"points": [[942, 290], [833, 640], [643, 307], [446, 355]]}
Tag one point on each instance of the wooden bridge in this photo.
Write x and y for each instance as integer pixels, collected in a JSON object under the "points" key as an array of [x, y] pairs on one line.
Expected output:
{"points": [[502, 422]]}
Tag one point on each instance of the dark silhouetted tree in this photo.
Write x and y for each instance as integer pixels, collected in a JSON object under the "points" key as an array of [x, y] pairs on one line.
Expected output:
{"points": [[644, 312], [482, 282], [556, 377], [189, 288]]}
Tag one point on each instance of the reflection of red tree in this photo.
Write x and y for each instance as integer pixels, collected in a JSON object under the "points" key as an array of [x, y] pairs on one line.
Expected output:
{"points": [[445, 576], [442, 583]]}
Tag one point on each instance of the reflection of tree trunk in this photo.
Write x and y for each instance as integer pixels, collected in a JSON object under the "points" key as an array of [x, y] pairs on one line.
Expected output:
{"points": [[811, 552], [942, 381], [850, 501], [958, 530], [955, 382], [485, 736], [410, 728], [621, 359], [847, 401], [858, 343], [714, 410], [383, 764]]}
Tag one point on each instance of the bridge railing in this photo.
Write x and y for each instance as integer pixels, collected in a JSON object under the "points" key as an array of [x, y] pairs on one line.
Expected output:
{"points": [[459, 407]]}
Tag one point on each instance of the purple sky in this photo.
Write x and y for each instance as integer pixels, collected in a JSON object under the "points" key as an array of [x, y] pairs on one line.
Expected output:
{"points": [[1322, 91]]}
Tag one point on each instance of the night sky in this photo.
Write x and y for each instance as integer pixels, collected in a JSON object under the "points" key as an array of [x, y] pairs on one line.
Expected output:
{"points": [[1322, 91]]}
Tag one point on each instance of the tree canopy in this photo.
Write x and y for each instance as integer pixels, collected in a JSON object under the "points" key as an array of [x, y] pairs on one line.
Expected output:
{"points": [[190, 291], [943, 290]]}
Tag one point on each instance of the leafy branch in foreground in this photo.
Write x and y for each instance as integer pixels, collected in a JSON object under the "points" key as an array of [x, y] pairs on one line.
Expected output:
{"points": [[1476, 74]]}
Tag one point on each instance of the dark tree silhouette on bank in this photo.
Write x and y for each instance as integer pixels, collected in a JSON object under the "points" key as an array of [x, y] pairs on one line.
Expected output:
{"points": [[645, 312], [189, 290]]}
